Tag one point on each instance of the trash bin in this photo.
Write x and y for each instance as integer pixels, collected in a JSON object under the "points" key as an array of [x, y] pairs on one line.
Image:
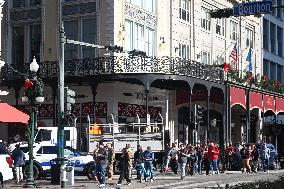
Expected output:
{"points": [[55, 171], [70, 175]]}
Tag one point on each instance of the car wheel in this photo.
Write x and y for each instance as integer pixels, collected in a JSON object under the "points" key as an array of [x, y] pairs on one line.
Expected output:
{"points": [[275, 165], [26, 171], [91, 172]]}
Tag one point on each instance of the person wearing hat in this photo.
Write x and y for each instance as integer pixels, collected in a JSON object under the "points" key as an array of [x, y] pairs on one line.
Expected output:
{"points": [[19, 159], [149, 158]]}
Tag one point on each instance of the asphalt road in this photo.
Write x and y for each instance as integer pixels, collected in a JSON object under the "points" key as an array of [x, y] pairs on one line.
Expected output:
{"points": [[167, 181]]}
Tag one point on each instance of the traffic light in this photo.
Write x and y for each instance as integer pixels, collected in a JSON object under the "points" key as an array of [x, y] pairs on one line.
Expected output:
{"points": [[221, 13], [114, 48], [69, 99]]}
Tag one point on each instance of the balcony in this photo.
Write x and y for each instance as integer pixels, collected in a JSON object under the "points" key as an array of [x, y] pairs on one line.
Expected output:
{"points": [[122, 65]]}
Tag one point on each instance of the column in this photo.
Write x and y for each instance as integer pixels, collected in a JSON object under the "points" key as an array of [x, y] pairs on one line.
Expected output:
{"points": [[247, 116], [189, 129], [208, 117]]}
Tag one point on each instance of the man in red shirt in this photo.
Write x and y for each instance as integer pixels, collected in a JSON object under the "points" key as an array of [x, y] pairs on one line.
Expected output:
{"points": [[213, 153], [229, 153]]}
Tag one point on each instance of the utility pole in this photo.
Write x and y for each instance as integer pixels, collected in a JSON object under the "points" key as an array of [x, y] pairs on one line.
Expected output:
{"points": [[60, 143]]}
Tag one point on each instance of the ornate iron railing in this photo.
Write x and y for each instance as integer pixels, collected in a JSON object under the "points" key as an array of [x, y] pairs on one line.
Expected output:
{"points": [[125, 65]]}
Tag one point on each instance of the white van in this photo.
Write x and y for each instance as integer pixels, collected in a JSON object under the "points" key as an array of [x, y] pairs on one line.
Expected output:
{"points": [[48, 136]]}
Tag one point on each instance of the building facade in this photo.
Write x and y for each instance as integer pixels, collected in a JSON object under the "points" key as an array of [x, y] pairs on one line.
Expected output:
{"points": [[185, 49], [273, 54]]}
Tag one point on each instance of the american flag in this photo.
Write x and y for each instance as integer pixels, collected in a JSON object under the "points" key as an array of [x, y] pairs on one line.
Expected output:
{"points": [[234, 55]]}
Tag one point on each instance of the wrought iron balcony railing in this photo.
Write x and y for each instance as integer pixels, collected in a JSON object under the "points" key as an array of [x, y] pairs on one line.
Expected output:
{"points": [[123, 65]]}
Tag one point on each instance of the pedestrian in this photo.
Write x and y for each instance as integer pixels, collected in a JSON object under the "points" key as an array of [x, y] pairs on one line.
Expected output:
{"points": [[183, 154], [18, 157], [255, 158], [149, 158], [124, 166], [111, 157], [139, 163], [173, 158], [199, 158], [213, 153], [130, 152], [206, 160], [245, 155], [101, 159], [193, 158], [265, 155], [229, 154], [238, 156]]}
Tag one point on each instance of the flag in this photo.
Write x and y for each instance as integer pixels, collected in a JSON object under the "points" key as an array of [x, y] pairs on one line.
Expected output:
{"points": [[249, 60], [234, 55]]}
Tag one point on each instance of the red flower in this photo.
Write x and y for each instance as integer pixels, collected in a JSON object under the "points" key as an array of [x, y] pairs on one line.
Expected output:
{"points": [[249, 77], [28, 84], [226, 67], [276, 83], [264, 78]]}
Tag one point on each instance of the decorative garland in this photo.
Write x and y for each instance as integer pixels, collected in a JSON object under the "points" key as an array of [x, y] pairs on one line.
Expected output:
{"points": [[34, 87], [255, 80]]}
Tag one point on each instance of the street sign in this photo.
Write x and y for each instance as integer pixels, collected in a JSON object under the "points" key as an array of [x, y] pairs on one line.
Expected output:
{"points": [[252, 8]]}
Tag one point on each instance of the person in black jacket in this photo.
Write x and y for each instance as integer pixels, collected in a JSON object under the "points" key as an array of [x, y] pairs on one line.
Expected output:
{"points": [[255, 158], [124, 166], [245, 156], [101, 158], [139, 162]]}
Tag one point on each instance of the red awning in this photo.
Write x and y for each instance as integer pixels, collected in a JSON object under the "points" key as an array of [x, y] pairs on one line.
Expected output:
{"points": [[268, 103], [237, 96], [279, 105], [9, 114], [255, 100]]}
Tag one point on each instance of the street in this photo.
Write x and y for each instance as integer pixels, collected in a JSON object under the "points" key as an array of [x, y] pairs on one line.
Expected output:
{"points": [[169, 181]]}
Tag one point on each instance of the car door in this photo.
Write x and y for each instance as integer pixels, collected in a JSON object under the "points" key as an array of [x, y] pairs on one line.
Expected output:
{"points": [[74, 159], [45, 154]]}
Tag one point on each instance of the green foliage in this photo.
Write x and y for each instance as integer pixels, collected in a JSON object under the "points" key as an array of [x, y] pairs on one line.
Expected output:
{"points": [[36, 90], [255, 80]]}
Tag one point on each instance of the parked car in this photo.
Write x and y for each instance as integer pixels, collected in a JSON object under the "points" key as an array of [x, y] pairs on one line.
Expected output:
{"points": [[83, 162], [6, 163]]}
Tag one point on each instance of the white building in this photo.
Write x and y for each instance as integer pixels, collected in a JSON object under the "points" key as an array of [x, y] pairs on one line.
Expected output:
{"points": [[175, 28]]}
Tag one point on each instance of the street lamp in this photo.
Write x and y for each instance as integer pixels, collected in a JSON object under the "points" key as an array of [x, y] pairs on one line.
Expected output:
{"points": [[33, 97]]}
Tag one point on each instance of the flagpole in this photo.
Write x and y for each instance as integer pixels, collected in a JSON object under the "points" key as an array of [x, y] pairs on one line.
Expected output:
{"points": [[240, 47]]}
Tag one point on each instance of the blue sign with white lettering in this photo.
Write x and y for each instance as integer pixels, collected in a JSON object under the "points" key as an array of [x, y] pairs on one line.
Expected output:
{"points": [[258, 7]]}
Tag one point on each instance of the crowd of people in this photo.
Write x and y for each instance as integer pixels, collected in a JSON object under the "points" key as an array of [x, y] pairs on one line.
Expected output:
{"points": [[104, 157], [188, 159]]}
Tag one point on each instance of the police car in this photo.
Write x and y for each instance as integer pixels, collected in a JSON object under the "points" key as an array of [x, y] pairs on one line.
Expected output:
{"points": [[83, 163], [6, 162]]}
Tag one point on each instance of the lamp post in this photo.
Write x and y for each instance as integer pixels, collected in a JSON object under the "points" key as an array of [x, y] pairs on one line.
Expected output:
{"points": [[33, 97]]}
